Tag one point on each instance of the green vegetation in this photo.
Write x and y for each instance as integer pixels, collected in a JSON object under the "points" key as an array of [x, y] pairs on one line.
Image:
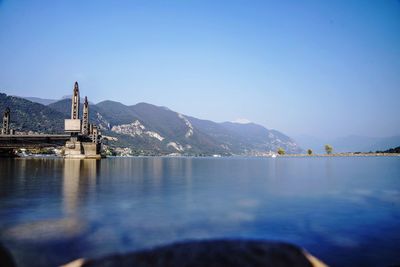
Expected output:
{"points": [[281, 151], [309, 152], [28, 116], [328, 149]]}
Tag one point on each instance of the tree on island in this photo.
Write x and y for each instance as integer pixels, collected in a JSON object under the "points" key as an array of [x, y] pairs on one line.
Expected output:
{"points": [[309, 152], [281, 151], [328, 149]]}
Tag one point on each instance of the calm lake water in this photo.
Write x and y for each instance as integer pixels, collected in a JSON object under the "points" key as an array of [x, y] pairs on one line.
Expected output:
{"points": [[346, 211]]}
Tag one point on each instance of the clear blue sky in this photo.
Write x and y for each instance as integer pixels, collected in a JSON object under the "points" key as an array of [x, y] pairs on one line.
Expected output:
{"points": [[324, 68]]}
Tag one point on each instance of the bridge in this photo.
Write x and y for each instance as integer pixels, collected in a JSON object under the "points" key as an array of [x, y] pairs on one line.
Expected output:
{"points": [[33, 141], [81, 139]]}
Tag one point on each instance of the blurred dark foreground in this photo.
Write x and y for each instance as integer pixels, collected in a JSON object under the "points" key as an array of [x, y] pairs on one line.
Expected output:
{"points": [[213, 253]]}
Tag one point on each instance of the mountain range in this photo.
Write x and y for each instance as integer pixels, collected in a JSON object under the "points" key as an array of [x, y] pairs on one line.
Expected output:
{"points": [[150, 129]]}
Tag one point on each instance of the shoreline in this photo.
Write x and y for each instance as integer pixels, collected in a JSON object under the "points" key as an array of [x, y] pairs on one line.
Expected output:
{"points": [[344, 155], [47, 156]]}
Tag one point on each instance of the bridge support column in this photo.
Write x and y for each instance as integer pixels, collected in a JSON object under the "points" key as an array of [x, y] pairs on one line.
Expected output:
{"points": [[91, 150], [5, 130], [82, 150], [85, 118], [73, 149]]}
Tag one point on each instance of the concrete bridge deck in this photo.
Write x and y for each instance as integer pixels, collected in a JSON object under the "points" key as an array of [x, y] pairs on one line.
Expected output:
{"points": [[32, 141]]}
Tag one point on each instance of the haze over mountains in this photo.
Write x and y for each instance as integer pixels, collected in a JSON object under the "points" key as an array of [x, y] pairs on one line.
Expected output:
{"points": [[43, 101], [350, 143], [150, 128]]}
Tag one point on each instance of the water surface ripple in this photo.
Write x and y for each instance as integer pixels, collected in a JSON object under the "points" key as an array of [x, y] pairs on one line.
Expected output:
{"points": [[344, 210]]}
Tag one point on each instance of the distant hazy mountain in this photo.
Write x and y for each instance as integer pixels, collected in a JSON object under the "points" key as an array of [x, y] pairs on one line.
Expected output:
{"points": [[46, 102], [386, 143], [311, 142], [365, 144], [42, 101], [393, 150], [152, 128], [351, 143], [82, 99]]}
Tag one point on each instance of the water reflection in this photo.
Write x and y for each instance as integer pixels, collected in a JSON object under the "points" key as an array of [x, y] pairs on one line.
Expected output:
{"points": [[327, 205], [79, 176]]}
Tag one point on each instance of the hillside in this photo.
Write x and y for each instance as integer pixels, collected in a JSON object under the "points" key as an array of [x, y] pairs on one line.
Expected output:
{"points": [[29, 116], [153, 129]]}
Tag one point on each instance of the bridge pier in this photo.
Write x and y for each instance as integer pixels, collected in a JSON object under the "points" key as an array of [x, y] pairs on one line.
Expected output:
{"points": [[82, 150], [84, 142], [6, 122]]}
